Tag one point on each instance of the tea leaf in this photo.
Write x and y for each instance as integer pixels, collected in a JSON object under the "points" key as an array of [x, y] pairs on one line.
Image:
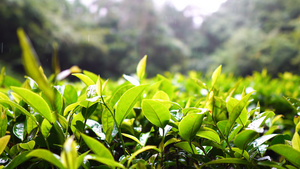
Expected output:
{"points": [[28, 146], [45, 128], [69, 154], [156, 112], [141, 67], [291, 154], [189, 125], [31, 65], [132, 137], [243, 138], [215, 76], [108, 162], [209, 134], [187, 147], [235, 113], [46, 155], [227, 160], [84, 78], [296, 138], [146, 148], [35, 101], [98, 148], [126, 102], [3, 142]]}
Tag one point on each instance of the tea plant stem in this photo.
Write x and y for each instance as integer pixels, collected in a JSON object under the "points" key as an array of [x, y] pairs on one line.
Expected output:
{"points": [[118, 127], [226, 140]]}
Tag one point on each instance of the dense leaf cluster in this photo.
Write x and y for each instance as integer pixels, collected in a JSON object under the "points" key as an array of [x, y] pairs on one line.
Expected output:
{"points": [[138, 122]]}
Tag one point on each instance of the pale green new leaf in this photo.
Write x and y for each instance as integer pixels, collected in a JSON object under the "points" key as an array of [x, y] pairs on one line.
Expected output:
{"points": [[84, 78], [156, 112], [28, 146], [126, 103], [32, 66], [35, 101], [69, 154], [141, 67], [215, 76], [132, 137], [3, 142], [296, 138]]}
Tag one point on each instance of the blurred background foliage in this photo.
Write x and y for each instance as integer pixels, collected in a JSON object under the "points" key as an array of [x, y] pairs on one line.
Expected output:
{"points": [[243, 35]]}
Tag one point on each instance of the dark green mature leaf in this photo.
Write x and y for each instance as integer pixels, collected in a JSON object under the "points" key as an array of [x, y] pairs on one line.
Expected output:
{"points": [[16, 161], [291, 154], [243, 138], [98, 148], [31, 65], [156, 112], [19, 130], [189, 125], [46, 155], [96, 127], [294, 102], [235, 113], [126, 102], [35, 101]]}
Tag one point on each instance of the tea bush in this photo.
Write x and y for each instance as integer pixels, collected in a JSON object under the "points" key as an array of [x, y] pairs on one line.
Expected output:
{"points": [[170, 121]]}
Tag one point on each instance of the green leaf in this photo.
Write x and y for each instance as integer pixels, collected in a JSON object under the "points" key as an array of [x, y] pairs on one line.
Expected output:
{"points": [[70, 108], [3, 122], [230, 104], [32, 66], [108, 162], [239, 152], [271, 164], [294, 102], [77, 124], [296, 138], [235, 113], [91, 75], [24, 111], [132, 137], [187, 147], [28, 146], [3, 142], [19, 130], [30, 124], [16, 161], [84, 78], [45, 128], [243, 138], [141, 67], [107, 122], [126, 103], [156, 112], [70, 94], [209, 134], [291, 154], [69, 154], [118, 93], [189, 125], [80, 159], [96, 127], [46, 155], [35, 101], [97, 147], [143, 149], [215, 76], [259, 141], [227, 160]]}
